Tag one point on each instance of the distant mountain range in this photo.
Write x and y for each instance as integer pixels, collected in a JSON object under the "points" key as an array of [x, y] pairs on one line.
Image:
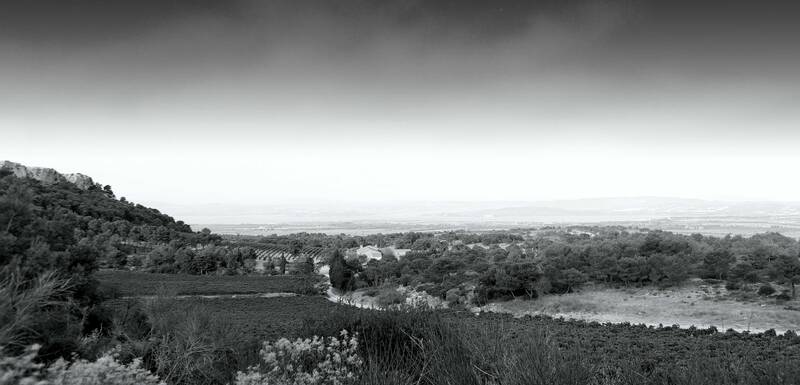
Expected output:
{"points": [[637, 207], [561, 211]]}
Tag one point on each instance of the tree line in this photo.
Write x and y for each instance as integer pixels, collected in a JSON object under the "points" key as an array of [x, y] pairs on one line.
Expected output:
{"points": [[558, 261]]}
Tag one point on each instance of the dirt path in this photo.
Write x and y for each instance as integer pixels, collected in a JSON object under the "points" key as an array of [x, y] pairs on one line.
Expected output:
{"points": [[352, 299]]}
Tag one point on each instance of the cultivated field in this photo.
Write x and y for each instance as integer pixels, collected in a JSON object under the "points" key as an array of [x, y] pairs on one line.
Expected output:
{"points": [[258, 319], [126, 283], [608, 344], [664, 347]]}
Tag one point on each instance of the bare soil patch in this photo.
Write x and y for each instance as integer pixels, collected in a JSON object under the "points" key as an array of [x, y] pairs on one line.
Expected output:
{"points": [[694, 304]]}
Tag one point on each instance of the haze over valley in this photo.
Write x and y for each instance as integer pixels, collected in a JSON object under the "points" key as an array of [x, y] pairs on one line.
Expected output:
{"points": [[674, 214]]}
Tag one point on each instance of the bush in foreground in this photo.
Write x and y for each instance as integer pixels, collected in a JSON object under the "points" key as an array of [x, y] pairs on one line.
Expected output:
{"points": [[428, 347], [106, 370], [39, 311], [310, 361], [403, 347], [400, 347], [188, 346]]}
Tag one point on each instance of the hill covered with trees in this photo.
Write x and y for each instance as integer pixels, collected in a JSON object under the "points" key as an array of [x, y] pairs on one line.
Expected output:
{"points": [[61, 226], [55, 234]]}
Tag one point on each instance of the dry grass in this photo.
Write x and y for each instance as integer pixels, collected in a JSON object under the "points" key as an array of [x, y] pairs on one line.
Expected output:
{"points": [[692, 304]]}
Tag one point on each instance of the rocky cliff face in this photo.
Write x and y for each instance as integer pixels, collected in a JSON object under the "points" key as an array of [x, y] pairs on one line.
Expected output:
{"points": [[80, 180], [46, 175]]}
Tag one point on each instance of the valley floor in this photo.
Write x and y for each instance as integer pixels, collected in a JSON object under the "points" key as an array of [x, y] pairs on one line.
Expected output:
{"points": [[245, 321]]}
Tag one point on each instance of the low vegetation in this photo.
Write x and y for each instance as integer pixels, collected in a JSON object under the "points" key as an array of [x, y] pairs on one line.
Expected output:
{"points": [[316, 360], [410, 347], [214, 341], [106, 370]]}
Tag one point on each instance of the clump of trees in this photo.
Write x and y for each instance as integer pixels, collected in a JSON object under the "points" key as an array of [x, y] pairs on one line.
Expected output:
{"points": [[559, 261], [786, 269], [175, 258], [342, 272]]}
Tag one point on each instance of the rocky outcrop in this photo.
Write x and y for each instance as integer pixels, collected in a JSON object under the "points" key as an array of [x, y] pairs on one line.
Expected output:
{"points": [[80, 180], [46, 175]]}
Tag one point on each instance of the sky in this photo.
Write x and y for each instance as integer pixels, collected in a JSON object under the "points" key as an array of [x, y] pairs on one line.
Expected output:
{"points": [[261, 102]]}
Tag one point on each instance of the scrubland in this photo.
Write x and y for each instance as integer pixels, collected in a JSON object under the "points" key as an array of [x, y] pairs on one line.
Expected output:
{"points": [[692, 304]]}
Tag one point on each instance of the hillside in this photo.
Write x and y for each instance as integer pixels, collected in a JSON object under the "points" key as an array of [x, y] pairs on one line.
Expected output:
{"points": [[56, 230], [52, 221]]}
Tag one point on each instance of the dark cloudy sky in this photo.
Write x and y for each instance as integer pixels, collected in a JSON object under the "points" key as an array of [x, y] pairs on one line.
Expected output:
{"points": [[257, 101]]}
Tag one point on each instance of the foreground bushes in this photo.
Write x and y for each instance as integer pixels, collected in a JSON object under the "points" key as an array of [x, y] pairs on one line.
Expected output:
{"points": [[41, 311], [403, 347], [427, 347], [310, 361], [421, 347], [191, 346], [397, 347], [198, 343], [106, 370]]}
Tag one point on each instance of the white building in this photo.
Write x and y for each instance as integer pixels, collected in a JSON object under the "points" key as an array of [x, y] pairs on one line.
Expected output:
{"points": [[394, 252], [370, 252]]}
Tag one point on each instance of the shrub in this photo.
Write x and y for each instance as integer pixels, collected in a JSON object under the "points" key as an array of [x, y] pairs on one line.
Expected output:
{"points": [[525, 358], [453, 295], [766, 290], [783, 297], [131, 321], [21, 369], [403, 346], [310, 361], [37, 312], [372, 291], [106, 370], [192, 347], [390, 297]]}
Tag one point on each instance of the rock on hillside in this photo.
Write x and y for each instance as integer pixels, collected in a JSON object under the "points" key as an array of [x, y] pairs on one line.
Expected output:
{"points": [[82, 181], [47, 175]]}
